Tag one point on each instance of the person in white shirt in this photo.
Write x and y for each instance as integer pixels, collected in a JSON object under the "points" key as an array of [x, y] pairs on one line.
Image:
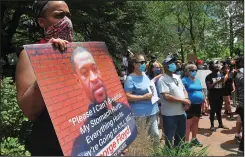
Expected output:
{"points": [[174, 102]]}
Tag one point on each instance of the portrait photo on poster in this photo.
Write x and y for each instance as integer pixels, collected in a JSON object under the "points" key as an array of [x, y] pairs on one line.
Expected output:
{"points": [[89, 109], [152, 89]]}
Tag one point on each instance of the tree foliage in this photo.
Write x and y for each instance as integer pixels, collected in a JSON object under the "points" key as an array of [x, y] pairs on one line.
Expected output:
{"points": [[111, 22], [201, 27], [209, 29]]}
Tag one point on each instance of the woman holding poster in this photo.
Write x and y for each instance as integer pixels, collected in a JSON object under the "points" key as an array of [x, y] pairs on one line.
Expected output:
{"points": [[136, 88], [54, 18]]}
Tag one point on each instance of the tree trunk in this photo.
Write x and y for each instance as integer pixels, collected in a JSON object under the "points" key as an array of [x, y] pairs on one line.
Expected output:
{"points": [[180, 31], [231, 36], [190, 13], [202, 36]]}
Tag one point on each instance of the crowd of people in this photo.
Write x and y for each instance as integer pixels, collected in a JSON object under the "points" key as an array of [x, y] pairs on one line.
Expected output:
{"points": [[183, 97], [187, 91]]}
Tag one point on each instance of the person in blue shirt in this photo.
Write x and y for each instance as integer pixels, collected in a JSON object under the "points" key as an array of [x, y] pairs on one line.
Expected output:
{"points": [[136, 88], [196, 96]]}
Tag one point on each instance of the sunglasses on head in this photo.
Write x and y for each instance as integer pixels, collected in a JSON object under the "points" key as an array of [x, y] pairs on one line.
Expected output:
{"points": [[141, 62], [193, 70]]}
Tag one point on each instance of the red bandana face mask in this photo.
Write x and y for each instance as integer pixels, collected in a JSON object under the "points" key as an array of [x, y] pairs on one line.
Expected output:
{"points": [[63, 30]]}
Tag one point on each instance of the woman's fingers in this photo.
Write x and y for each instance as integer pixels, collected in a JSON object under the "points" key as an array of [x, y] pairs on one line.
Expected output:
{"points": [[61, 44]]}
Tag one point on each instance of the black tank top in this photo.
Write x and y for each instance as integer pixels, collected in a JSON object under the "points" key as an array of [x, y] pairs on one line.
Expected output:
{"points": [[43, 141]]}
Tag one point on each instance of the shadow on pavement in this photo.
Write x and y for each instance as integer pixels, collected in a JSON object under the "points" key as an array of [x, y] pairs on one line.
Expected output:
{"points": [[237, 154], [232, 147], [230, 131], [205, 132]]}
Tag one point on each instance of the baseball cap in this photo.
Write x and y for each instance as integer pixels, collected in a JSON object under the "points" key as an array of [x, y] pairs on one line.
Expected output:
{"points": [[169, 59], [199, 62], [153, 57]]}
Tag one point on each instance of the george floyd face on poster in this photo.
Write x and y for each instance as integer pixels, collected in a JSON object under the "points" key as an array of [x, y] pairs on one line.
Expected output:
{"points": [[103, 125]]}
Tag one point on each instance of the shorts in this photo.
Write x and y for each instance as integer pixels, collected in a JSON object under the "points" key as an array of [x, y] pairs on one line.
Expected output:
{"points": [[195, 110], [227, 91]]}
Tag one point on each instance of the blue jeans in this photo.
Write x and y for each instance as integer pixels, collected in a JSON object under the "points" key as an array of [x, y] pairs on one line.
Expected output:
{"points": [[174, 126]]}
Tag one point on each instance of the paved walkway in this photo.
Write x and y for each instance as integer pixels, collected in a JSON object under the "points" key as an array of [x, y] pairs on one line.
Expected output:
{"points": [[221, 142]]}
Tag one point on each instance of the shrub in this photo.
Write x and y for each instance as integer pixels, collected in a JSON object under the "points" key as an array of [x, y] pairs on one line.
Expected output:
{"points": [[11, 146], [15, 127], [186, 150]]}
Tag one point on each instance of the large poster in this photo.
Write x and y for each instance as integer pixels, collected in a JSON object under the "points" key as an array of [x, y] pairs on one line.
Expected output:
{"points": [[84, 98], [201, 75]]}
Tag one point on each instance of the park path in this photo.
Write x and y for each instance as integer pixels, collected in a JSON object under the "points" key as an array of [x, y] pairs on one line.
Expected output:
{"points": [[221, 142]]}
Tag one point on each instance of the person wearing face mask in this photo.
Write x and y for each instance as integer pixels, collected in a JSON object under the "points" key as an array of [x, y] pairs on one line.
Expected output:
{"points": [[154, 68], [158, 69], [201, 75], [214, 83], [195, 93], [179, 70], [122, 76], [229, 87], [174, 102], [54, 18], [136, 88]]}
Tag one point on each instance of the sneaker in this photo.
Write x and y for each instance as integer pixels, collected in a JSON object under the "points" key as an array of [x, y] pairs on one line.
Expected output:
{"points": [[186, 145], [195, 142], [212, 128], [238, 138], [223, 126], [241, 150], [231, 117], [204, 114]]}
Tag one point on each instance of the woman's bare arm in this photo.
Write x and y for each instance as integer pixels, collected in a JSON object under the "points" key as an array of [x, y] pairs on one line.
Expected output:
{"points": [[133, 98], [29, 95]]}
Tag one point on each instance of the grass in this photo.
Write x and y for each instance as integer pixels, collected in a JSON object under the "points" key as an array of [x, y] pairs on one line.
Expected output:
{"points": [[144, 146], [176, 151]]}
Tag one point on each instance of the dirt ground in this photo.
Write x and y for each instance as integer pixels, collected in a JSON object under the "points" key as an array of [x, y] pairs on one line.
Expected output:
{"points": [[221, 142]]}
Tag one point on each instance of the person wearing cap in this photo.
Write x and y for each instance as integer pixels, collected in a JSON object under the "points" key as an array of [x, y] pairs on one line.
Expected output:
{"points": [[201, 75], [54, 18], [199, 64], [174, 102]]}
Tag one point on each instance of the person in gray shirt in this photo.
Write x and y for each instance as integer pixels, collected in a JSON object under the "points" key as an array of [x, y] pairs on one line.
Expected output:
{"points": [[174, 102]]}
